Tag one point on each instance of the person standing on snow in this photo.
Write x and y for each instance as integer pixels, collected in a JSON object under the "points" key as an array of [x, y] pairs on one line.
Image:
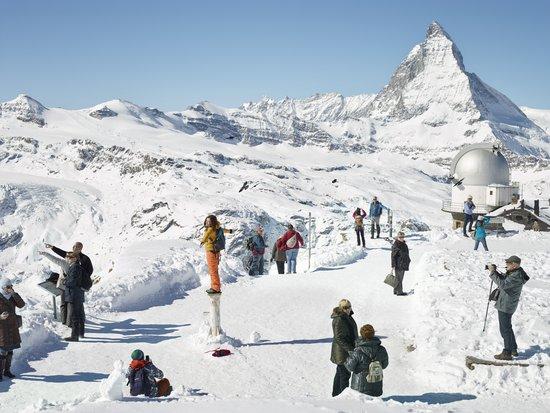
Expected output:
{"points": [[469, 207], [73, 294], [400, 261], [278, 255], [509, 287], [10, 323], [142, 377], [480, 234], [214, 242], [258, 249], [344, 330], [367, 362], [87, 271], [358, 216], [291, 242], [375, 211]]}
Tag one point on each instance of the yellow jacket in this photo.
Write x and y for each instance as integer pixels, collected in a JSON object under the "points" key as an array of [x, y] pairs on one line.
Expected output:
{"points": [[209, 237]]}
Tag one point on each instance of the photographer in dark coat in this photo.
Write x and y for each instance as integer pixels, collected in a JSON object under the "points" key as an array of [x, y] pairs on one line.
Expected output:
{"points": [[87, 271], [345, 333], [400, 261], [509, 286]]}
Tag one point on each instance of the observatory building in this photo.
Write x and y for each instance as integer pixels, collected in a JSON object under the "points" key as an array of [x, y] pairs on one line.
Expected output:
{"points": [[480, 170]]}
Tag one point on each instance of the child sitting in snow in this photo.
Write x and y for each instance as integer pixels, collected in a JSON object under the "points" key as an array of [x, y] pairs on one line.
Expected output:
{"points": [[142, 375]]}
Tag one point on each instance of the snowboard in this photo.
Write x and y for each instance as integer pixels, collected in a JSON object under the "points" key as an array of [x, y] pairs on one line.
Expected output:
{"points": [[471, 361]]}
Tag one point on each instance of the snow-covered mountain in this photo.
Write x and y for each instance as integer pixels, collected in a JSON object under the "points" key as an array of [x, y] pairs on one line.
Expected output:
{"points": [[430, 107], [24, 109]]}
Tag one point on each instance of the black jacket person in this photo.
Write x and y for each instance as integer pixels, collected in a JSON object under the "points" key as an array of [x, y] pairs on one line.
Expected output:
{"points": [[345, 333], [87, 271]]}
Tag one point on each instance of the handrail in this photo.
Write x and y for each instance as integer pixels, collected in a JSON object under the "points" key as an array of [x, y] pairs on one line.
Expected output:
{"points": [[450, 206]]}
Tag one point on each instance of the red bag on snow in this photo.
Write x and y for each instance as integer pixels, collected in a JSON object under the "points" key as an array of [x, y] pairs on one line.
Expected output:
{"points": [[221, 352]]}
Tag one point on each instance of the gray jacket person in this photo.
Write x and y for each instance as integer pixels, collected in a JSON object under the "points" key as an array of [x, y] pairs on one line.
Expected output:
{"points": [[73, 294], [367, 378], [510, 286]]}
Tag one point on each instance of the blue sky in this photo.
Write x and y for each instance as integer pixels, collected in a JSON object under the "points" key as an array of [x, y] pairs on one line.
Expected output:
{"points": [[171, 54]]}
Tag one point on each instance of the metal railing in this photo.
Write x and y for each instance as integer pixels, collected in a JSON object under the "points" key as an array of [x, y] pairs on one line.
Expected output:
{"points": [[449, 206]]}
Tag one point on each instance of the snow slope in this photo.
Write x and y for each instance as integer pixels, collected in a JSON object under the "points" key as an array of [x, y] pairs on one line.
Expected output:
{"points": [[289, 368], [540, 116]]}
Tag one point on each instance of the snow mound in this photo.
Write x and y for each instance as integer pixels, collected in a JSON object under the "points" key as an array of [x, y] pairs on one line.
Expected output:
{"points": [[255, 337], [149, 274], [111, 387], [338, 255]]}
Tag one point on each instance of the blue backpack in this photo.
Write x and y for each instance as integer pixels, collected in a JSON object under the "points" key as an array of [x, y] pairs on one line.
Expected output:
{"points": [[139, 383], [219, 243]]}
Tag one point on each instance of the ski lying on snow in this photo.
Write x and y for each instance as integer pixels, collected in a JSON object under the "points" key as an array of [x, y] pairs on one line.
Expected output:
{"points": [[470, 361]]}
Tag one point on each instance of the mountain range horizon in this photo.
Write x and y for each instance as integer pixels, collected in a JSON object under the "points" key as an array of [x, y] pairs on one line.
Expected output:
{"points": [[430, 102]]}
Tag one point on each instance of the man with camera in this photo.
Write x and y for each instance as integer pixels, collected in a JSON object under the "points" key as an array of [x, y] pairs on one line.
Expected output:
{"points": [[507, 299]]}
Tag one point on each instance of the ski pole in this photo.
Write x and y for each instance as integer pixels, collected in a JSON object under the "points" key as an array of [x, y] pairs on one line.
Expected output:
{"points": [[487, 310]]}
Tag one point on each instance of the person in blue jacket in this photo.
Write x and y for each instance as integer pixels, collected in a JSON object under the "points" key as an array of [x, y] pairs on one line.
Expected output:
{"points": [[469, 207], [480, 234], [375, 211]]}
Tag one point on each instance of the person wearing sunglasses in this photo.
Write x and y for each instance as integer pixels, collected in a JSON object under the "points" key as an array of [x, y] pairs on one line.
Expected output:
{"points": [[10, 323], [400, 261]]}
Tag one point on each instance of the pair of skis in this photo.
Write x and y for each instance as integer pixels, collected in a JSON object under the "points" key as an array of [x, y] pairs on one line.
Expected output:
{"points": [[471, 361]]}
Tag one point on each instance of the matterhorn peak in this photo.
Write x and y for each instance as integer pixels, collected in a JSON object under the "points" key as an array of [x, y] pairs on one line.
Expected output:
{"points": [[436, 30]]}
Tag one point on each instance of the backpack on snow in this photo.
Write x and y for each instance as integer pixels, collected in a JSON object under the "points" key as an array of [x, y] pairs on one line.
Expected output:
{"points": [[219, 242], [291, 242], [139, 382]]}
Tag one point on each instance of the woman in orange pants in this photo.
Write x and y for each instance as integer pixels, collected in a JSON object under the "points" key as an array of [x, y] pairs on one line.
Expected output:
{"points": [[212, 226]]}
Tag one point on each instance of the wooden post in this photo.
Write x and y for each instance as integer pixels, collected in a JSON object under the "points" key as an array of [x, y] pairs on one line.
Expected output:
{"points": [[215, 327], [54, 308], [309, 243]]}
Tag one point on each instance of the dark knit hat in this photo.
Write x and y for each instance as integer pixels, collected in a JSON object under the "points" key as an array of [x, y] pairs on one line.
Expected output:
{"points": [[367, 331], [137, 355]]}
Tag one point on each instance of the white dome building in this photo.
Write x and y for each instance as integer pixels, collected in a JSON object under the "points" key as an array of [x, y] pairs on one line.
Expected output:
{"points": [[480, 170]]}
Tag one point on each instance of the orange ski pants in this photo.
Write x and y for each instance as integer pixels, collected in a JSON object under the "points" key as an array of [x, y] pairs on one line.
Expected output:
{"points": [[213, 261]]}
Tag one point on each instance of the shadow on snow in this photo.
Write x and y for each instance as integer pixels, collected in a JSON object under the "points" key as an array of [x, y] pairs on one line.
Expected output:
{"points": [[130, 332], [432, 398]]}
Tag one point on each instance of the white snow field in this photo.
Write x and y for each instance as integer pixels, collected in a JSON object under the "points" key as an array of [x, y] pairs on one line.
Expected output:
{"points": [[134, 185]]}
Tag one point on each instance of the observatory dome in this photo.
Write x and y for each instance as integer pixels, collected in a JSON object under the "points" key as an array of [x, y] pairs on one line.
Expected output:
{"points": [[481, 166]]}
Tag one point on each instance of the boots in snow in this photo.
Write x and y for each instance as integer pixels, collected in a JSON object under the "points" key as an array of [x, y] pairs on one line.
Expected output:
{"points": [[514, 353], [75, 330], [2, 364], [505, 355], [7, 366]]}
